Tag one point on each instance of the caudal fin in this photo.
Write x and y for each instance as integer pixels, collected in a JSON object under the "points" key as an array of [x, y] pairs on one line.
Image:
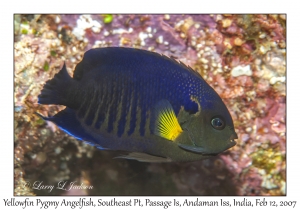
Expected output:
{"points": [[54, 90]]}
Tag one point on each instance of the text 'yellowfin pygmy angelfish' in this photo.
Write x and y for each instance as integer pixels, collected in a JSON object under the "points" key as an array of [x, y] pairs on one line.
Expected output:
{"points": [[150, 106]]}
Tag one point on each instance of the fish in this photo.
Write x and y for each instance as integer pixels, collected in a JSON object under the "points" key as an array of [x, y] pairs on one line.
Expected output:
{"points": [[150, 107]]}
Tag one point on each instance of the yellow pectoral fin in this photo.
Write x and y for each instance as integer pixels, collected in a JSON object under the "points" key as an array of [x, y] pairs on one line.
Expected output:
{"points": [[165, 123]]}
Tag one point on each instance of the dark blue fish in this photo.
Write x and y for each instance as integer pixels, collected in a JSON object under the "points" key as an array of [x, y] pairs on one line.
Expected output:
{"points": [[144, 103]]}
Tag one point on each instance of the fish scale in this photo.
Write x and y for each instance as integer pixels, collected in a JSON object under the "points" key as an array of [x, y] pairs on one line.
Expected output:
{"points": [[128, 117], [89, 114], [124, 108], [100, 101], [144, 105], [102, 105], [113, 106], [136, 101], [133, 114], [96, 116]]}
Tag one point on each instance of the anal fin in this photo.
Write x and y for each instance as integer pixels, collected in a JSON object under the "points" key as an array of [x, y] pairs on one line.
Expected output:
{"points": [[143, 157], [195, 149]]}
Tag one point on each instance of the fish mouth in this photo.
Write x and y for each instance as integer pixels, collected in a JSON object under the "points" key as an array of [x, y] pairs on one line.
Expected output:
{"points": [[232, 141]]}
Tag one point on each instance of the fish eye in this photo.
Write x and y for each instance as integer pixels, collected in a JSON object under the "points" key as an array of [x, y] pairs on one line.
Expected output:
{"points": [[218, 123]]}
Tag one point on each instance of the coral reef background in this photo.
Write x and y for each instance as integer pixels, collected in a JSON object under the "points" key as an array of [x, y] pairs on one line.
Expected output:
{"points": [[243, 57]]}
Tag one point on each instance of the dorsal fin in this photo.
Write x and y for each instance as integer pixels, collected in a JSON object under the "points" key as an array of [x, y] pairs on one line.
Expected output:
{"points": [[183, 65]]}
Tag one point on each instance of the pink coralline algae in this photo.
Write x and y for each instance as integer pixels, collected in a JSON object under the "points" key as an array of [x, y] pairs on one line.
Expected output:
{"points": [[241, 56]]}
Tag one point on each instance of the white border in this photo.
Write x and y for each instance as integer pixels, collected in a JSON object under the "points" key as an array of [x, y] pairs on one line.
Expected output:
{"points": [[8, 8]]}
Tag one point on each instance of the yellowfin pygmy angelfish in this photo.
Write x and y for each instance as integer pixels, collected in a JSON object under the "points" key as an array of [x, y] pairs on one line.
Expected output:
{"points": [[150, 106]]}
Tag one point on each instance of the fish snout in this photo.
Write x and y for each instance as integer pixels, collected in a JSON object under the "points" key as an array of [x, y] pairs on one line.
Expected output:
{"points": [[232, 138]]}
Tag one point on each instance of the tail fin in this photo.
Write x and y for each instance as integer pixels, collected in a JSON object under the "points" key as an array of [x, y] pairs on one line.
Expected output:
{"points": [[54, 90]]}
